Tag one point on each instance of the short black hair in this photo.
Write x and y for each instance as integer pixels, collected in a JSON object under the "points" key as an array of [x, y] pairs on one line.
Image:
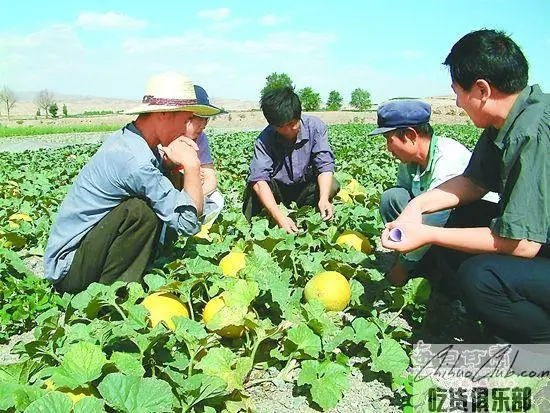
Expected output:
{"points": [[490, 55], [424, 129], [280, 105]]}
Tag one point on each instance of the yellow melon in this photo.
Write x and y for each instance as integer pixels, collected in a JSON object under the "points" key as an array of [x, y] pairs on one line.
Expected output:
{"points": [[232, 263], [355, 240], [210, 310], [163, 306], [331, 288]]}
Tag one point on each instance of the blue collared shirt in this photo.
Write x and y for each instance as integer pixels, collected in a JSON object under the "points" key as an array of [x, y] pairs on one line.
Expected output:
{"points": [[292, 163], [123, 167]]}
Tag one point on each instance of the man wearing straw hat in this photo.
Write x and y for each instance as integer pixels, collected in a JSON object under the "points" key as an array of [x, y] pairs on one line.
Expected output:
{"points": [[108, 226]]}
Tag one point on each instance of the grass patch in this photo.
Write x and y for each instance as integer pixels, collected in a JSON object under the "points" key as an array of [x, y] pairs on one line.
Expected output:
{"points": [[6, 131]]}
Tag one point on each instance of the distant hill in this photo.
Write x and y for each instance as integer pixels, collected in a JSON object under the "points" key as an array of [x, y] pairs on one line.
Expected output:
{"points": [[81, 103]]}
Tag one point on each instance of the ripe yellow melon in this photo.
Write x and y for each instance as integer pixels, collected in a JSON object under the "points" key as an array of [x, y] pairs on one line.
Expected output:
{"points": [[232, 263], [355, 240], [331, 288], [163, 306], [210, 310]]}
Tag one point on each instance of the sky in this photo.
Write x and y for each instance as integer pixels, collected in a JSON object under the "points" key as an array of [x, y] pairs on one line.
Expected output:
{"points": [[391, 49]]}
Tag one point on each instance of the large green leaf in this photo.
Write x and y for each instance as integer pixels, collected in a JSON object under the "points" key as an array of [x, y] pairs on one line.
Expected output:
{"points": [[53, 402], [82, 364], [136, 394]]}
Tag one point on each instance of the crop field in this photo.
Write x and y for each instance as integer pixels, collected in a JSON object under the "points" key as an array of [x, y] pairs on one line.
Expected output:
{"points": [[101, 350]]}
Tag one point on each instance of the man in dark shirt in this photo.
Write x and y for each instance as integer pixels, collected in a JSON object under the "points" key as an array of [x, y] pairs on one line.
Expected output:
{"points": [[504, 274], [292, 161]]}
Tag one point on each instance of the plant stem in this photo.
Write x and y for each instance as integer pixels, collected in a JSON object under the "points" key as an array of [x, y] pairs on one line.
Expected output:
{"points": [[119, 310]]}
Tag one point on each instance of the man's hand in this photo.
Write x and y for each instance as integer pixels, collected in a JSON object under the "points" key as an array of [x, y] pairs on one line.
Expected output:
{"points": [[287, 224], [414, 236], [326, 209], [182, 151]]}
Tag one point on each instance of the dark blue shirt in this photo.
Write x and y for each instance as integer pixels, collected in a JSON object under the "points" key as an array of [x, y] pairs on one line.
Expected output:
{"points": [[292, 163]]}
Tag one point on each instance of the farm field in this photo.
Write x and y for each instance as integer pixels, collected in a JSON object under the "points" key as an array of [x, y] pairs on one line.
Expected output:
{"points": [[97, 351]]}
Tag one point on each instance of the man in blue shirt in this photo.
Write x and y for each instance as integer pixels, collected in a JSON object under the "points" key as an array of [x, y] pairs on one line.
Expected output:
{"points": [[292, 161], [108, 226]]}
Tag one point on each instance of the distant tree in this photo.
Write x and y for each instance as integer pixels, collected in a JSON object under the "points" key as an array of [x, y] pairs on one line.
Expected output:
{"points": [[360, 99], [53, 110], [44, 100], [37, 112], [276, 80], [311, 100], [65, 111], [8, 99], [335, 100]]}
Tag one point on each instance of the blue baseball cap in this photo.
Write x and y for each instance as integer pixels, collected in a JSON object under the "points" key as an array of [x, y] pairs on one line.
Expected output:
{"points": [[401, 113], [202, 99]]}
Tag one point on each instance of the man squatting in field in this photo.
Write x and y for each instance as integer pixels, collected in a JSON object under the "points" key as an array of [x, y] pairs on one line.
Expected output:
{"points": [[292, 161], [502, 267], [109, 224], [427, 160]]}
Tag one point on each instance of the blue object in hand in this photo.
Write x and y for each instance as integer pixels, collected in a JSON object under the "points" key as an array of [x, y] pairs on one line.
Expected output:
{"points": [[396, 235]]}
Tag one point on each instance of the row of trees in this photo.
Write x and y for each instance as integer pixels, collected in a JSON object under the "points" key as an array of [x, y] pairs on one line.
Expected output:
{"points": [[311, 100], [44, 101]]}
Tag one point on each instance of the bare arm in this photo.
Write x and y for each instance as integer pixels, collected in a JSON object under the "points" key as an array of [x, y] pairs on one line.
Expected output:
{"points": [[209, 181], [265, 195], [456, 191], [470, 240], [324, 180]]}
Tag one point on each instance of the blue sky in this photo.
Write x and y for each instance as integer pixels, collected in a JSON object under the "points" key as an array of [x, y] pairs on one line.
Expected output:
{"points": [[110, 48]]}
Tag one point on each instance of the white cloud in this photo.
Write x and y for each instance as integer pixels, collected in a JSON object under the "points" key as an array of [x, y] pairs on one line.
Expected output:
{"points": [[272, 20], [215, 15], [110, 20]]}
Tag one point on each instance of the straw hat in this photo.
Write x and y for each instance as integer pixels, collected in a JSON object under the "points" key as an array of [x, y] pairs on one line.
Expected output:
{"points": [[172, 92]]}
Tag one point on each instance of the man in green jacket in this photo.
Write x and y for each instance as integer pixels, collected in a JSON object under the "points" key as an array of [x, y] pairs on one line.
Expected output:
{"points": [[502, 268]]}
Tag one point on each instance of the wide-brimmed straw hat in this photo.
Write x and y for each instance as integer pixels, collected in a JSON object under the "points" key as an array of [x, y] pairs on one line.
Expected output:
{"points": [[172, 92]]}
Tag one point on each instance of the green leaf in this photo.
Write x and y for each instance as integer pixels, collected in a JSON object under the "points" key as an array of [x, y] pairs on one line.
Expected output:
{"points": [[129, 364], [222, 363], [89, 405], [52, 402], [136, 394], [357, 290], [318, 319], [241, 294], [417, 291], [343, 335], [365, 331], [154, 281], [201, 387], [82, 364], [200, 266], [191, 331], [392, 358], [305, 340], [328, 381]]}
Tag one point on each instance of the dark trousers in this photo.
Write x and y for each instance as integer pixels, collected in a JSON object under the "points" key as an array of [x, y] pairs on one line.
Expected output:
{"points": [[510, 295], [303, 194], [119, 247]]}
